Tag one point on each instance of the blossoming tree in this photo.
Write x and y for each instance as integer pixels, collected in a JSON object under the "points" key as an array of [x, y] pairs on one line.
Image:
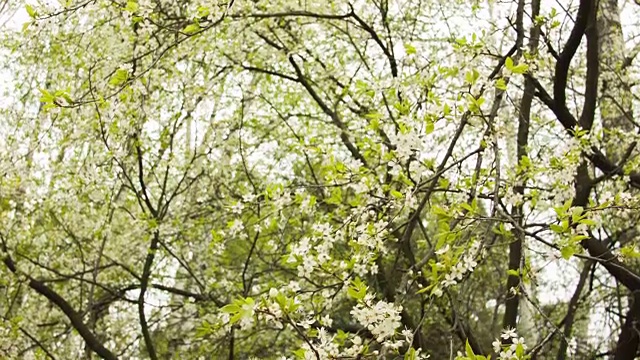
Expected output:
{"points": [[366, 179]]}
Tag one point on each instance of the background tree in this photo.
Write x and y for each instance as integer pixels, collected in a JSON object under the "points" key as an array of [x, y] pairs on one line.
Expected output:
{"points": [[319, 180]]}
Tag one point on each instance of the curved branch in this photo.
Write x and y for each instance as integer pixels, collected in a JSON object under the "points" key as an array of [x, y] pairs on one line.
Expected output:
{"points": [[74, 317], [335, 119], [569, 50], [629, 338]]}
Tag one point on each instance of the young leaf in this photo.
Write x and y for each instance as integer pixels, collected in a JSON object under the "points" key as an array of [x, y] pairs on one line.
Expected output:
{"points": [[567, 252], [30, 11], [119, 77], [410, 355], [556, 228], [409, 49], [357, 290], [131, 7], [508, 63], [230, 308], [429, 128], [520, 69], [191, 28], [469, 350], [46, 97], [501, 84]]}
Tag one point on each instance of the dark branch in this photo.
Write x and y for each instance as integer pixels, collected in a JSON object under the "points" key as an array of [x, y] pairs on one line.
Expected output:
{"points": [[74, 317]]}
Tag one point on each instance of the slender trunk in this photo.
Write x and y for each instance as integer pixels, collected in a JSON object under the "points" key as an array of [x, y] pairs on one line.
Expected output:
{"points": [[629, 339], [516, 255], [615, 96], [616, 110], [571, 311]]}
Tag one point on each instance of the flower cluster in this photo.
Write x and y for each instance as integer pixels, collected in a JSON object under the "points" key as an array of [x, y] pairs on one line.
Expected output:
{"points": [[406, 143], [381, 318], [324, 347], [465, 265], [302, 250], [371, 233], [514, 349]]}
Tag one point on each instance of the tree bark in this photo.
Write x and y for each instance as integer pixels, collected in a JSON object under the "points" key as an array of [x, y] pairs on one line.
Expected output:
{"points": [[629, 339], [524, 116], [571, 311], [615, 96]]}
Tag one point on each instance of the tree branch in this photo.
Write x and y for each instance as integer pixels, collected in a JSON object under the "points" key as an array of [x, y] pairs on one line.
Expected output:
{"points": [[629, 338], [74, 317], [144, 283]]}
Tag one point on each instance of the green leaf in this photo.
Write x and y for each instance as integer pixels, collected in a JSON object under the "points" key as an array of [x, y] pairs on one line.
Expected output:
{"points": [[46, 97], [519, 351], [556, 228], [520, 69], [434, 271], [429, 128], [373, 116], [567, 204], [131, 7], [403, 107], [576, 213], [410, 355], [467, 207], [300, 353], [230, 308], [446, 110], [396, 194], [567, 252], [30, 11], [203, 11], [472, 76], [336, 197], [629, 251], [239, 309], [501, 84], [588, 222], [26, 25], [204, 329], [508, 63], [119, 77], [357, 290], [516, 69], [474, 104], [192, 28], [361, 86], [578, 238], [469, 350], [409, 49], [437, 210], [540, 19]]}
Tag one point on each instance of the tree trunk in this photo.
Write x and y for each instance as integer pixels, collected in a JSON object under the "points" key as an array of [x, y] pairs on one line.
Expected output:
{"points": [[615, 100]]}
